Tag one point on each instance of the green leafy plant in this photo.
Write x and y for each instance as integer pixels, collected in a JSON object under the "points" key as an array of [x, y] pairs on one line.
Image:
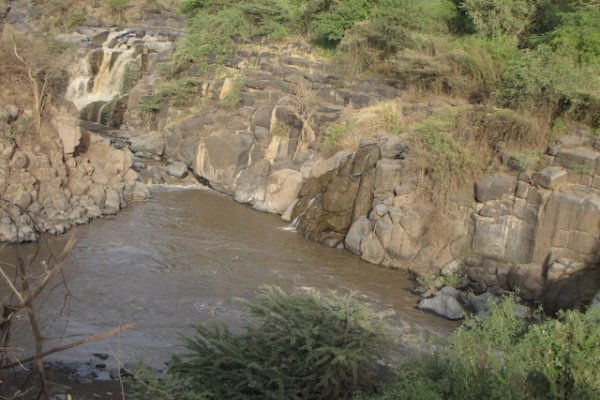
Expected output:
{"points": [[307, 346], [334, 134], [232, 100], [180, 92], [116, 6], [505, 357], [456, 280]]}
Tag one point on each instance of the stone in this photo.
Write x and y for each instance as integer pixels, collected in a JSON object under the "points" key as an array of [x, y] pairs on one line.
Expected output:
{"points": [[282, 190], [442, 305], [551, 178], [450, 291], [112, 204], [555, 271], [140, 192], [495, 187], [147, 144], [578, 157], [358, 230], [371, 249], [178, 169], [221, 157], [482, 302]]}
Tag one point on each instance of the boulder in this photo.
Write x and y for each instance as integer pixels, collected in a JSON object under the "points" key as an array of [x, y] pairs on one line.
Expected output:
{"points": [[178, 169], [551, 178], [358, 230], [147, 144], [482, 302], [221, 157], [495, 187], [282, 190], [442, 305]]}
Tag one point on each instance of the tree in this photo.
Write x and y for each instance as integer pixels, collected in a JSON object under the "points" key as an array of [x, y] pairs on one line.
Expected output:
{"points": [[37, 62], [307, 346], [507, 17]]}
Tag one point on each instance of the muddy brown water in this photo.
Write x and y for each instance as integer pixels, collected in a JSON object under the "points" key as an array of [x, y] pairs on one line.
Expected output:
{"points": [[178, 258]]}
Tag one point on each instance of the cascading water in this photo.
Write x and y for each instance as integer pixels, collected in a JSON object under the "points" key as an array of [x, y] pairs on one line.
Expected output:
{"points": [[103, 76]]}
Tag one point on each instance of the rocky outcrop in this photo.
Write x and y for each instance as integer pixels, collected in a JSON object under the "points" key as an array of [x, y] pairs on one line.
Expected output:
{"points": [[52, 182]]}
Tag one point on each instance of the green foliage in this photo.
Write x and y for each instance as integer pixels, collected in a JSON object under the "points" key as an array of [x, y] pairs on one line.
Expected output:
{"points": [[447, 162], [305, 347], [499, 17], [527, 160], [215, 26], [392, 119], [234, 97], [502, 357], [544, 81], [116, 6], [180, 92], [329, 26], [75, 17], [335, 133], [456, 280]]}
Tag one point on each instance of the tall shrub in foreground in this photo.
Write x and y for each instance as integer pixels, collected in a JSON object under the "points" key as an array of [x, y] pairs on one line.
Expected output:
{"points": [[308, 346]]}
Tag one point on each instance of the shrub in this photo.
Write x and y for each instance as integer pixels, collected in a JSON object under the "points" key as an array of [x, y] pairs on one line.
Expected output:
{"points": [[503, 357], [180, 92], [234, 97], [446, 160], [308, 346], [456, 280], [116, 6], [335, 134]]}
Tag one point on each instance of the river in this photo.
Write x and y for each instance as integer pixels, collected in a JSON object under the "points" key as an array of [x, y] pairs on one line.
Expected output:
{"points": [[176, 260]]}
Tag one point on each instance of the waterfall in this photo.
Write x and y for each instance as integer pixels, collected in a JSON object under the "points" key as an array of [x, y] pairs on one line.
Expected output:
{"points": [[102, 76], [294, 224]]}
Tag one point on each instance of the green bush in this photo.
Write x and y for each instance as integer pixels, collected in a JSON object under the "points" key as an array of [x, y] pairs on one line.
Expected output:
{"points": [[334, 134], [447, 162], [180, 92], [547, 82], [116, 6], [502, 357], [305, 347]]}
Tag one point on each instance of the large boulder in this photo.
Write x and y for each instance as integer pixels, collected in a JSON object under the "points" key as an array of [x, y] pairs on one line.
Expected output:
{"points": [[495, 187], [221, 157], [442, 305], [282, 190]]}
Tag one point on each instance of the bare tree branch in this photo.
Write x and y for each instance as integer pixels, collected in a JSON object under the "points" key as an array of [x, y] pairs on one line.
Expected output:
{"points": [[66, 347]]}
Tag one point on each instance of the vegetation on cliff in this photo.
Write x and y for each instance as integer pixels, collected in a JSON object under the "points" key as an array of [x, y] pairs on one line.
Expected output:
{"points": [[527, 55]]}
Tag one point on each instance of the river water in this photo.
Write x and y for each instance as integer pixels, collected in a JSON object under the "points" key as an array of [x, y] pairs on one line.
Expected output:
{"points": [[176, 260]]}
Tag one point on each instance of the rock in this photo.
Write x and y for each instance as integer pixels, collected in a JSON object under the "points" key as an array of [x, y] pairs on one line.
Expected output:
{"points": [[442, 305], [358, 230], [221, 157], [112, 204], [551, 177], [371, 249], [450, 291], [147, 144], [68, 130], [573, 293], [177, 169], [579, 157], [481, 302], [141, 192], [495, 187], [282, 190]]}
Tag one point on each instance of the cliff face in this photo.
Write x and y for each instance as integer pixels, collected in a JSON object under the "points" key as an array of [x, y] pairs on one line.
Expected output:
{"points": [[255, 129]]}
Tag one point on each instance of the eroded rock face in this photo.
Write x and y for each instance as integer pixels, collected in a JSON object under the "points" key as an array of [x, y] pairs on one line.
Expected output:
{"points": [[46, 188]]}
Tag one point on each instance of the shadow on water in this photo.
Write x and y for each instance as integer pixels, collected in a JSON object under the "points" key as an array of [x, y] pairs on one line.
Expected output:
{"points": [[176, 259]]}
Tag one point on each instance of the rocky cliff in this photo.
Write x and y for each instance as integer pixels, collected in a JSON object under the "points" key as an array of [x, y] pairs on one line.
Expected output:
{"points": [[255, 130]]}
